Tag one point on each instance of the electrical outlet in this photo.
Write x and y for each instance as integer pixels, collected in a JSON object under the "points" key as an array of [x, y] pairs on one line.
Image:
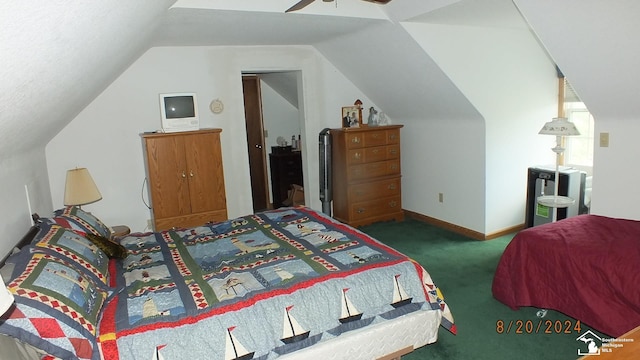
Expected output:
{"points": [[440, 197]]}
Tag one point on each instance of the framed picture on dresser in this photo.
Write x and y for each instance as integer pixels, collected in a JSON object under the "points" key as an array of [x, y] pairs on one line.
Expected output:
{"points": [[351, 116]]}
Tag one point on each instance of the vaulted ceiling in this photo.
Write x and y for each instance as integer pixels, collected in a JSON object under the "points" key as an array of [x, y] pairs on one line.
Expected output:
{"points": [[58, 56]]}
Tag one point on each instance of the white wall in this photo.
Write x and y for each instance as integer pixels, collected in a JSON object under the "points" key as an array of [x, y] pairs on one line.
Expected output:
{"points": [[27, 168], [280, 118], [615, 173], [486, 63], [598, 51], [104, 137], [444, 156]]}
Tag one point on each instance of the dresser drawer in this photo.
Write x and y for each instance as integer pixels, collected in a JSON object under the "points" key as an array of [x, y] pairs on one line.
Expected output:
{"points": [[374, 190], [375, 138], [373, 154], [294, 164], [371, 170], [393, 152], [354, 140], [376, 207], [393, 136]]}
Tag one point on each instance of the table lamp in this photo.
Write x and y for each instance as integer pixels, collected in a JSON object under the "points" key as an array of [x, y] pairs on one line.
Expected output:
{"points": [[80, 189]]}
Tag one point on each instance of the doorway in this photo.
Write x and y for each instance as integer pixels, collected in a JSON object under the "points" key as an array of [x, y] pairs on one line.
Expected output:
{"points": [[272, 117]]}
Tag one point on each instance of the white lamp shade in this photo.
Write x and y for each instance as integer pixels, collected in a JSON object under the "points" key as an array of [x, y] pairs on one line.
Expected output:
{"points": [[80, 189], [6, 298], [559, 127]]}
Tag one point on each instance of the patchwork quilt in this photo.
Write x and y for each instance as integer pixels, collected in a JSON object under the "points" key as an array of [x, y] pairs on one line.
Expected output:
{"points": [[259, 286]]}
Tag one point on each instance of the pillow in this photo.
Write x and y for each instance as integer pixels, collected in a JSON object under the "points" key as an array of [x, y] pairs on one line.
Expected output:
{"points": [[74, 218], [109, 247], [7, 269], [75, 249], [12, 268], [56, 307]]}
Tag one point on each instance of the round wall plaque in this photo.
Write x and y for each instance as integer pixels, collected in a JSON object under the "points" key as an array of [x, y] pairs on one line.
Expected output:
{"points": [[216, 106]]}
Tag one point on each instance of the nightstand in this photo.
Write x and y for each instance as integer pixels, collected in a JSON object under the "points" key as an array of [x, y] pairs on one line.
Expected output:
{"points": [[119, 231]]}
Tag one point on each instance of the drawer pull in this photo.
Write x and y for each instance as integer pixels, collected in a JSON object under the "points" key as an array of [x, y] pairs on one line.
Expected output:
{"points": [[394, 167], [360, 210], [376, 151], [375, 136], [393, 203], [391, 187], [393, 152], [357, 156], [392, 136], [355, 140]]}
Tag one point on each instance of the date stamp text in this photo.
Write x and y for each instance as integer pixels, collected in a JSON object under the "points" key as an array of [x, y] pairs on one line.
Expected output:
{"points": [[538, 326]]}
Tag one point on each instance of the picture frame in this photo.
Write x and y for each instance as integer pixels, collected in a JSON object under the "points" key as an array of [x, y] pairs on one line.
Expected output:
{"points": [[351, 116]]}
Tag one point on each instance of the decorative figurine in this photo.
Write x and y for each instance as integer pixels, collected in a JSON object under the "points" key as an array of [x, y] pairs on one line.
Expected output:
{"points": [[373, 117], [383, 119]]}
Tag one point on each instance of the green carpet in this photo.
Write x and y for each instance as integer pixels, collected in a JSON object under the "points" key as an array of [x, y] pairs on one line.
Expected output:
{"points": [[463, 269]]}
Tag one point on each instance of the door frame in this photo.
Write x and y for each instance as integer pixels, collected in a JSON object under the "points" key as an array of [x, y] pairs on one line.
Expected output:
{"points": [[314, 114]]}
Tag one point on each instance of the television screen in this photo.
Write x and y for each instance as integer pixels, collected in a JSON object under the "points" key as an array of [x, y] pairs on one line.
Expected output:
{"points": [[178, 107], [179, 112]]}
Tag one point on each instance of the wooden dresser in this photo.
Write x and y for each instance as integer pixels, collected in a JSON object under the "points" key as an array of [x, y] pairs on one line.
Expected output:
{"points": [[366, 174], [185, 178], [286, 169]]}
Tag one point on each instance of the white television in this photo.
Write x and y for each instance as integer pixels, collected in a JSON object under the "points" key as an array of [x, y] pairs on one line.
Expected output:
{"points": [[179, 112]]}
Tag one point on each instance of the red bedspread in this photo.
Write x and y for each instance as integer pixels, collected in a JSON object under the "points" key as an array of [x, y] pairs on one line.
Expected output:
{"points": [[587, 267]]}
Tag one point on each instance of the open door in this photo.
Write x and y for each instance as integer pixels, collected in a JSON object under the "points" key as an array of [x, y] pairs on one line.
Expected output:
{"points": [[255, 142]]}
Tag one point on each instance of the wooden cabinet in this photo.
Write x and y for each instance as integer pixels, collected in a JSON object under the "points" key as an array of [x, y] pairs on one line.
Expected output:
{"points": [[286, 170], [366, 174], [185, 178]]}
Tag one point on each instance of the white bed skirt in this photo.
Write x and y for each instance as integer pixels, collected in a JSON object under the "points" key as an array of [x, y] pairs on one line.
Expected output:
{"points": [[374, 342]]}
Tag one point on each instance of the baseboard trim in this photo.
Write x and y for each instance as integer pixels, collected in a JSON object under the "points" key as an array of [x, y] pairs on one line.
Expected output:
{"points": [[459, 229]]}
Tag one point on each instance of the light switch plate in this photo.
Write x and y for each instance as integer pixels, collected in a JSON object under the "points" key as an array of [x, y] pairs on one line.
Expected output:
{"points": [[604, 139]]}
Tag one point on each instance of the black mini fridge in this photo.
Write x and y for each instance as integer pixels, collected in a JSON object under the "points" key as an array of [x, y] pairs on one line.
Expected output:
{"points": [[540, 181]]}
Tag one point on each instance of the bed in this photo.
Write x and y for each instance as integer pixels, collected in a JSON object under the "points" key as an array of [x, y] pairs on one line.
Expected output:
{"points": [[290, 283], [587, 267]]}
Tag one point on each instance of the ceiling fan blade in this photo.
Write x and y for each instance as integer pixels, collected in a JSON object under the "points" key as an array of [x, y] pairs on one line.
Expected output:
{"points": [[301, 4]]}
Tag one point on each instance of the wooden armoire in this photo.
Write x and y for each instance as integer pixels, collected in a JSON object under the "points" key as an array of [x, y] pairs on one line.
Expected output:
{"points": [[366, 174], [185, 178]]}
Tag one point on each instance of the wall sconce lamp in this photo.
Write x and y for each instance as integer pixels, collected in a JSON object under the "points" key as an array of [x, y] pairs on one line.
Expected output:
{"points": [[80, 189]]}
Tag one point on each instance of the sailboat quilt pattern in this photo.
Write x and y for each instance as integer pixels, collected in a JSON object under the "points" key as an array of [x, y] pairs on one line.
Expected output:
{"points": [[258, 286]]}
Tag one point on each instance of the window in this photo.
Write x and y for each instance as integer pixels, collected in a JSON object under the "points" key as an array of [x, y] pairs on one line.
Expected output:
{"points": [[579, 149]]}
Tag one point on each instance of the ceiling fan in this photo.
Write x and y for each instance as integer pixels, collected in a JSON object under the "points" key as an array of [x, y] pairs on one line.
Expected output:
{"points": [[303, 3]]}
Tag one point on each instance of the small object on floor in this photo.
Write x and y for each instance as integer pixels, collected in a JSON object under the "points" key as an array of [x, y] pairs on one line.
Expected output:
{"points": [[296, 196]]}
